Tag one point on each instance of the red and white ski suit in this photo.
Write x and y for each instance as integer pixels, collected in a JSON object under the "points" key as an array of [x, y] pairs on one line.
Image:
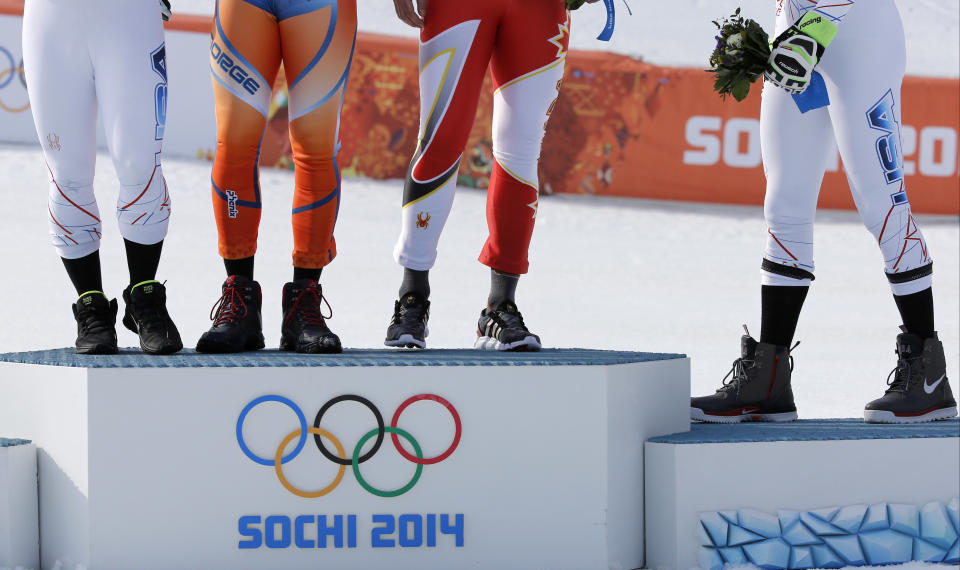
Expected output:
{"points": [[525, 44]]}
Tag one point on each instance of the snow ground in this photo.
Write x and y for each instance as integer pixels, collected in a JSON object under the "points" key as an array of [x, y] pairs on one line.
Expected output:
{"points": [[606, 273], [679, 32]]}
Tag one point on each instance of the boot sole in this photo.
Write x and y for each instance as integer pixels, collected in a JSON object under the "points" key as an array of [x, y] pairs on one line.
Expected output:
{"points": [[163, 350], [99, 349], [210, 347], [289, 346], [406, 341], [528, 344], [699, 415], [887, 417]]}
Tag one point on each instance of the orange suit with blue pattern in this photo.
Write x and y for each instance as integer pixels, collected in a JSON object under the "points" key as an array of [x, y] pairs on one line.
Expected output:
{"points": [[315, 40]]}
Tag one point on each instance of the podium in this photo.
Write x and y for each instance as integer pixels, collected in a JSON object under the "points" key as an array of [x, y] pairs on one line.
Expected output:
{"points": [[19, 529], [368, 459], [804, 494]]}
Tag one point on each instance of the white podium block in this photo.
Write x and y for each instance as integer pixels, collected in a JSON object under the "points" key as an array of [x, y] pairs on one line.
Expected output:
{"points": [[805, 494], [19, 529], [370, 459]]}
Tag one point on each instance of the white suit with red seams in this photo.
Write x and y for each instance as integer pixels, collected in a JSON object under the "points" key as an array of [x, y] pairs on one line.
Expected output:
{"points": [[862, 71], [108, 55]]}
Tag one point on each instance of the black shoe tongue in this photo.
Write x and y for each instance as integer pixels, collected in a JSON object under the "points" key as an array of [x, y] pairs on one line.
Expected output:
{"points": [[410, 300], [238, 281], [508, 307], [748, 346]]}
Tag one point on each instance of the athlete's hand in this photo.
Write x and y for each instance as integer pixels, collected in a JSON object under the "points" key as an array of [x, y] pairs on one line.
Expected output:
{"points": [[797, 51], [165, 10], [411, 16], [574, 4]]}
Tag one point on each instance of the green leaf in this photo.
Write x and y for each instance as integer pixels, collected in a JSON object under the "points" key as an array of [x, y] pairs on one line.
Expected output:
{"points": [[740, 90]]}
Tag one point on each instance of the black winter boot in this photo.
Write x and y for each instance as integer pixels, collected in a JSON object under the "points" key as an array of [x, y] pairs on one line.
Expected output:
{"points": [[759, 389], [237, 325], [96, 323], [146, 314], [304, 324], [919, 390]]}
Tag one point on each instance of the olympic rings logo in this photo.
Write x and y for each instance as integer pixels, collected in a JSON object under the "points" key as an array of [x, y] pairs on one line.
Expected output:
{"points": [[9, 73], [340, 457]]}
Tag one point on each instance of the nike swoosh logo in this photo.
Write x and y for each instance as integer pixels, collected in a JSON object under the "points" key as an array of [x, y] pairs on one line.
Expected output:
{"points": [[929, 388]]}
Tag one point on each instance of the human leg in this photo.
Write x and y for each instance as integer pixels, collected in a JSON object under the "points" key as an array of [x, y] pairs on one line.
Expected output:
{"points": [[866, 75], [527, 68], [795, 148], [244, 60], [318, 40], [131, 85], [455, 49], [55, 50]]}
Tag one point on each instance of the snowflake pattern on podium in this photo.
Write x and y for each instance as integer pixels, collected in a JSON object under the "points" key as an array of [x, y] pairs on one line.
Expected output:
{"points": [[856, 535]]}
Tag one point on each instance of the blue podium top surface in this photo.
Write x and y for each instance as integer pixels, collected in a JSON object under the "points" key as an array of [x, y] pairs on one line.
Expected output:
{"points": [[809, 430], [134, 358], [4, 442]]}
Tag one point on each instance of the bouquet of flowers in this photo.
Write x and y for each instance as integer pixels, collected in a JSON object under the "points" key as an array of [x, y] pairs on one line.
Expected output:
{"points": [[740, 56]]}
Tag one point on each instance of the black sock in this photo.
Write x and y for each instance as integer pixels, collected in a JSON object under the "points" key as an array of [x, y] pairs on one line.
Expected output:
{"points": [[503, 287], [916, 310], [84, 272], [415, 282], [142, 260], [780, 312], [306, 273], [242, 267]]}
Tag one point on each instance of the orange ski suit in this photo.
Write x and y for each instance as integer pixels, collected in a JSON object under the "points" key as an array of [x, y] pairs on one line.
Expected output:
{"points": [[315, 39]]}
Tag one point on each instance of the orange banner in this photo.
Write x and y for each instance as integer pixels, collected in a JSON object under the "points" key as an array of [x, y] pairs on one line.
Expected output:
{"points": [[11, 7]]}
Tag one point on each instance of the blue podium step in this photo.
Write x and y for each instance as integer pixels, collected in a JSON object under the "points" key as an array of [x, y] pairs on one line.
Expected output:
{"points": [[134, 358], [808, 430]]}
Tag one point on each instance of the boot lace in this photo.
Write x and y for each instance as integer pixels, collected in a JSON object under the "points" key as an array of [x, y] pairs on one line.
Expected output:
{"points": [[229, 308], [740, 366], [510, 319], [409, 314], [739, 372], [901, 377], [92, 323], [308, 307]]}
